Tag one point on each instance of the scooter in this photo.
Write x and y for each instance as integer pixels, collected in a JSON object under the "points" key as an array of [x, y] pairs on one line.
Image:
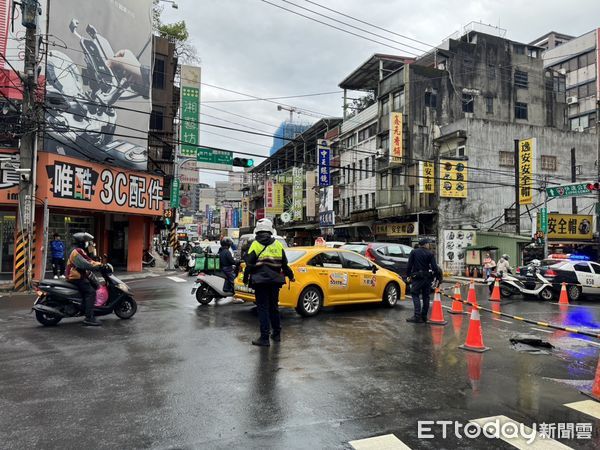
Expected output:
{"points": [[210, 287], [511, 285], [57, 299], [192, 265], [148, 259]]}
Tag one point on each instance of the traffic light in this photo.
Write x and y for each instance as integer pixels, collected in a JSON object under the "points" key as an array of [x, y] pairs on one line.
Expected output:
{"points": [[168, 215], [593, 186], [243, 162]]}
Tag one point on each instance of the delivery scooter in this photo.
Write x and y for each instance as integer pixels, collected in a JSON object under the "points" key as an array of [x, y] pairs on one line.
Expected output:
{"points": [[210, 287]]}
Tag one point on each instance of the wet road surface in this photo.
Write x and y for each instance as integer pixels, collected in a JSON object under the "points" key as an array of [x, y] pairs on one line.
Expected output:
{"points": [[180, 375]]}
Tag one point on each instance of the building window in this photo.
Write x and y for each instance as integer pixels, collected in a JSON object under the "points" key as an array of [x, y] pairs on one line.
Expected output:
{"points": [[398, 101], [360, 170], [366, 201], [396, 178], [385, 106], [156, 120], [521, 79], [373, 165], [519, 49], [507, 159], [489, 105], [582, 122], [431, 99], [350, 141], [353, 172], [167, 152], [532, 52], [385, 143], [521, 110], [368, 132], [366, 167], [491, 72], [384, 181], [158, 74], [373, 199], [549, 163], [468, 103]]}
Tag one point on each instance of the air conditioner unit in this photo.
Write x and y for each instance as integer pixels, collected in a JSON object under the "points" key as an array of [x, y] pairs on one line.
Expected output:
{"points": [[579, 129], [380, 154], [572, 100]]}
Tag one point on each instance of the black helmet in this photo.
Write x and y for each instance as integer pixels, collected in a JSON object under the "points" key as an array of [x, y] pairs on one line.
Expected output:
{"points": [[226, 242], [82, 239]]}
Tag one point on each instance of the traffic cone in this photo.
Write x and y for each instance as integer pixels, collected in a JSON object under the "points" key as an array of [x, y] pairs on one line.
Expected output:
{"points": [[472, 297], [595, 391], [496, 292], [564, 298], [474, 361], [437, 312], [457, 306], [474, 340]]}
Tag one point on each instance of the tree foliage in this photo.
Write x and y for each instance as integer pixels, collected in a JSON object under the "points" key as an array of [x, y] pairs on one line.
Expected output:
{"points": [[177, 32]]}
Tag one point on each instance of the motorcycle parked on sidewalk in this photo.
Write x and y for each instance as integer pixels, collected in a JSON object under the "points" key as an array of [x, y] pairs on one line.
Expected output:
{"points": [[511, 285], [57, 299]]}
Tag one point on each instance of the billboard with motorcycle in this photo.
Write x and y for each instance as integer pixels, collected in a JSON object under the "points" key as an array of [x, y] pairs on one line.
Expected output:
{"points": [[98, 82]]}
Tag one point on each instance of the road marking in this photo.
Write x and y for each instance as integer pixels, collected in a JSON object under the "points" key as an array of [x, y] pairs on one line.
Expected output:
{"points": [[385, 442], [589, 407], [543, 331], [447, 307], [588, 342], [501, 320], [177, 279], [520, 441]]}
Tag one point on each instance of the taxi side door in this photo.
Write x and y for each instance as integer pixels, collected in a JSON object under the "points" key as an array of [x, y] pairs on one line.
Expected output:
{"points": [[325, 269], [362, 280]]}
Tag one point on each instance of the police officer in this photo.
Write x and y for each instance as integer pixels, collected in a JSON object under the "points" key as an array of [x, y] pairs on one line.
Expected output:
{"points": [[421, 270], [266, 269]]}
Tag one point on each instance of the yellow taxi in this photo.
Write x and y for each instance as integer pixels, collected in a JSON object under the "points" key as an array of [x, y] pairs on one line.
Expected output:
{"points": [[330, 277]]}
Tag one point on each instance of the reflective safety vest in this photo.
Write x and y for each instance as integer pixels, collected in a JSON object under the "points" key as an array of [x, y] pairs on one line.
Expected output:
{"points": [[270, 256]]}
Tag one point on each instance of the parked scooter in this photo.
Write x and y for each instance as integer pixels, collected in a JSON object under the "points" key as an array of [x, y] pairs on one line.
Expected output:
{"points": [[148, 260], [58, 299], [511, 285]]}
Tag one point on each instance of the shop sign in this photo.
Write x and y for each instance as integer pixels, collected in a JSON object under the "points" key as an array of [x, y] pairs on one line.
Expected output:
{"points": [[397, 229], [326, 212], [297, 192], [324, 155], [311, 203], [273, 198], [72, 183], [453, 178], [175, 192], [526, 170], [569, 226], [426, 177], [284, 178], [188, 173], [190, 110], [9, 177], [456, 243], [396, 138]]}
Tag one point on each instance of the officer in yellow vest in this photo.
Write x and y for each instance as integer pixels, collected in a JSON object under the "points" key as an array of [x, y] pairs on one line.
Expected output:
{"points": [[266, 269]]}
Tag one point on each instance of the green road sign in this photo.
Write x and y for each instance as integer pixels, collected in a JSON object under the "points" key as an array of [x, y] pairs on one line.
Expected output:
{"points": [[209, 158], [568, 190], [190, 108], [544, 220], [175, 193]]}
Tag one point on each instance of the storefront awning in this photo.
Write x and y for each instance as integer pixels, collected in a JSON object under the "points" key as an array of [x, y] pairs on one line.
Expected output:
{"points": [[355, 224]]}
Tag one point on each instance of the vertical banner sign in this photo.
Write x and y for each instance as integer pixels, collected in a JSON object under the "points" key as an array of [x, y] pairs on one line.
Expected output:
{"points": [[278, 199], [526, 170], [236, 218], [426, 177], [297, 192], [324, 155], [190, 110], [210, 216], [453, 178], [223, 218], [396, 138], [269, 196], [311, 204], [245, 212], [544, 221], [175, 186], [326, 213]]}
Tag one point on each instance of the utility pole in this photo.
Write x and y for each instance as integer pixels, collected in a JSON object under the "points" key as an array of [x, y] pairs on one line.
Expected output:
{"points": [[29, 124], [573, 179], [517, 205], [545, 217]]}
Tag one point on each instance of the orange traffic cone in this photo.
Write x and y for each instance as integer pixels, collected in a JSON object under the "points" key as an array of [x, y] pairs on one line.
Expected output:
{"points": [[474, 370], [457, 306], [595, 391], [472, 297], [564, 298], [437, 313], [496, 292], [474, 340]]}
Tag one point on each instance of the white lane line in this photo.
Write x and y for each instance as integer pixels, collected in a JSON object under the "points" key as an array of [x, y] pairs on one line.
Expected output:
{"points": [[543, 331], [385, 442], [447, 307], [520, 441], [501, 320], [589, 407], [177, 279], [588, 342]]}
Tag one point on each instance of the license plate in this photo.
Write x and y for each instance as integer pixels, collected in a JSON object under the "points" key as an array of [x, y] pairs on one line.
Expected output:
{"points": [[194, 289]]}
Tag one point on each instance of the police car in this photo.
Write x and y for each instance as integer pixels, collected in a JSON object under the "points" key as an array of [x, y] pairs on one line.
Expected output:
{"points": [[581, 275]]}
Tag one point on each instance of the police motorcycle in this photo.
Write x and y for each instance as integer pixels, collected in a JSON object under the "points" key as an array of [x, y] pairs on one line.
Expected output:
{"points": [[57, 299], [533, 285]]}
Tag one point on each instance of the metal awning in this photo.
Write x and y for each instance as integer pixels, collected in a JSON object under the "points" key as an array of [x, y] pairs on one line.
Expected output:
{"points": [[366, 77], [355, 224]]}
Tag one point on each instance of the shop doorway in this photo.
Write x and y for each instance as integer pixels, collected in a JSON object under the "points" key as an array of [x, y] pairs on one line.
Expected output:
{"points": [[8, 223], [118, 244]]}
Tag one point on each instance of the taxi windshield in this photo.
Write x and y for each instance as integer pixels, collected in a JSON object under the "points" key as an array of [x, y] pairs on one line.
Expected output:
{"points": [[294, 255]]}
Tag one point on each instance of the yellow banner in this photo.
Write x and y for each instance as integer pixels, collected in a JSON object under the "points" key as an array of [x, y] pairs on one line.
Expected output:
{"points": [[278, 200], [526, 170], [569, 226], [453, 178], [427, 177], [396, 137]]}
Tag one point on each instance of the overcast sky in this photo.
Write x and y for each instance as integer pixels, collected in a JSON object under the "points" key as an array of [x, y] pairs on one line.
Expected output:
{"points": [[253, 47]]}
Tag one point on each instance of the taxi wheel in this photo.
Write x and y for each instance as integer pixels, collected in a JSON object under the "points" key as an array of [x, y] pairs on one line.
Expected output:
{"points": [[391, 295], [310, 302]]}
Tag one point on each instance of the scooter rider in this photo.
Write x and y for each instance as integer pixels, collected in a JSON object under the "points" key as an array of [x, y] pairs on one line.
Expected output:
{"points": [[227, 263], [504, 265], [78, 265]]}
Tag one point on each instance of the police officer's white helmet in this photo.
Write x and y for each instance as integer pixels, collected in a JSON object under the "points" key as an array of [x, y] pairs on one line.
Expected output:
{"points": [[536, 262], [264, 225]]}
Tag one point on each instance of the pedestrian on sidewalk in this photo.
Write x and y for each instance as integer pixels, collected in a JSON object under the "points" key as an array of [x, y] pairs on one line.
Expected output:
{"points": [[266, 269], [57, 252], [421, 271], [488, 265]]}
